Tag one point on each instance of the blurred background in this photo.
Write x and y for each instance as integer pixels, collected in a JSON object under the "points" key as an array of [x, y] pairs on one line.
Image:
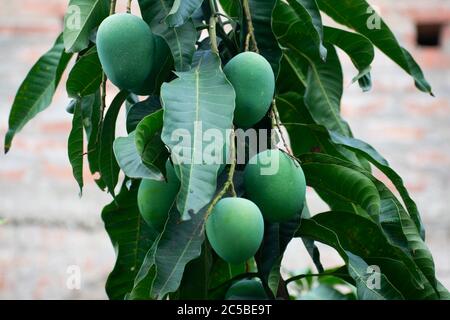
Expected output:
{"points": [[45, 228]]}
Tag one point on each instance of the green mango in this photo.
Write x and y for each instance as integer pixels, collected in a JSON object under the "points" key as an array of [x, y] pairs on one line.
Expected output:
{"points": [[235, 229], [125, 49], [276, 183], [246, 290], [155, 198], [161, 66], [254, 82]]}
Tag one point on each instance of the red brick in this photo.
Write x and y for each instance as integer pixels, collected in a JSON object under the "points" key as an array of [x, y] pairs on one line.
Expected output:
{"points": [[56, 127]]}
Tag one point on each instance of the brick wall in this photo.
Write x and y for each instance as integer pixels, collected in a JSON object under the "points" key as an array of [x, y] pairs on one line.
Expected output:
{"points": [[49, 228]]}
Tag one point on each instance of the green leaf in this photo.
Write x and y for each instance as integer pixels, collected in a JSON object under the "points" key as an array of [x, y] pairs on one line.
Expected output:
{"points": [[398, 228], [232, 8], [324, 83], [75, 145], [194, 285], [310, 20], [352, 235], [131, 238], [181, 11], [86, 75], [131, 162], [360, 16], [36, 91], [359, 49], [276, 238], [88, 103], [323, 292], [163, 267], [108, 167], [140, 110], [324, 91], [343, 185], [221, 275], [93, 136], [81, 18], [181, 40], [309, 244], [299, 123], [262, 13], [292, 76], [148, 142], [367, 151], [198, 100]]}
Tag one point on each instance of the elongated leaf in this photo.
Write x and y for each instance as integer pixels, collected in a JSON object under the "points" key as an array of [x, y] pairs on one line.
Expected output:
{"points": [[75, 145], [324, 91], [292, 108], [310, 245], [360, 16], [163, 267], [148, 142], [81, 18], [343, 184], [199, 100], [140, 110], [86, 75], [181, 11], [194, 284], [398, 228], [261, 12], [324, 84], [232, 8], [108, 167], [358, 270], [376, 159], [131, 162], [350, 233], [93, 136], [311, 21], [181, 40], [292, 76], [359, 49], [88, 103], [131, 238], [221, 275], [36, 91], [276, 238], [179, 244]]}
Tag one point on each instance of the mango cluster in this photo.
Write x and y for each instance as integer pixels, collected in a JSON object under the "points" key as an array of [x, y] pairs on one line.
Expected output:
{"points": [[274, 182]]}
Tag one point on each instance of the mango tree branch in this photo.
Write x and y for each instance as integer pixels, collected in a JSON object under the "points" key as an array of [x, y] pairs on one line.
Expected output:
{"points": [[228, 185], [129, 6], [212, 27], [250, 28]]}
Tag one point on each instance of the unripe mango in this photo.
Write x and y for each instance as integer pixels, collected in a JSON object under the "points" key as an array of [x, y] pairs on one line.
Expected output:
{"points": [[246, 290], [155, 198], [125, 48], [276, 183], [254, 82], [235, 229]]}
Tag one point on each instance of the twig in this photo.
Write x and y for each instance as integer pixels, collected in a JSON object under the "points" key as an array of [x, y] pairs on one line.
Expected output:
{"points": [[250, 28], [212, 27], [302, 276], [112, 8], [129, 6], [275, 117], [228, 185]]}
